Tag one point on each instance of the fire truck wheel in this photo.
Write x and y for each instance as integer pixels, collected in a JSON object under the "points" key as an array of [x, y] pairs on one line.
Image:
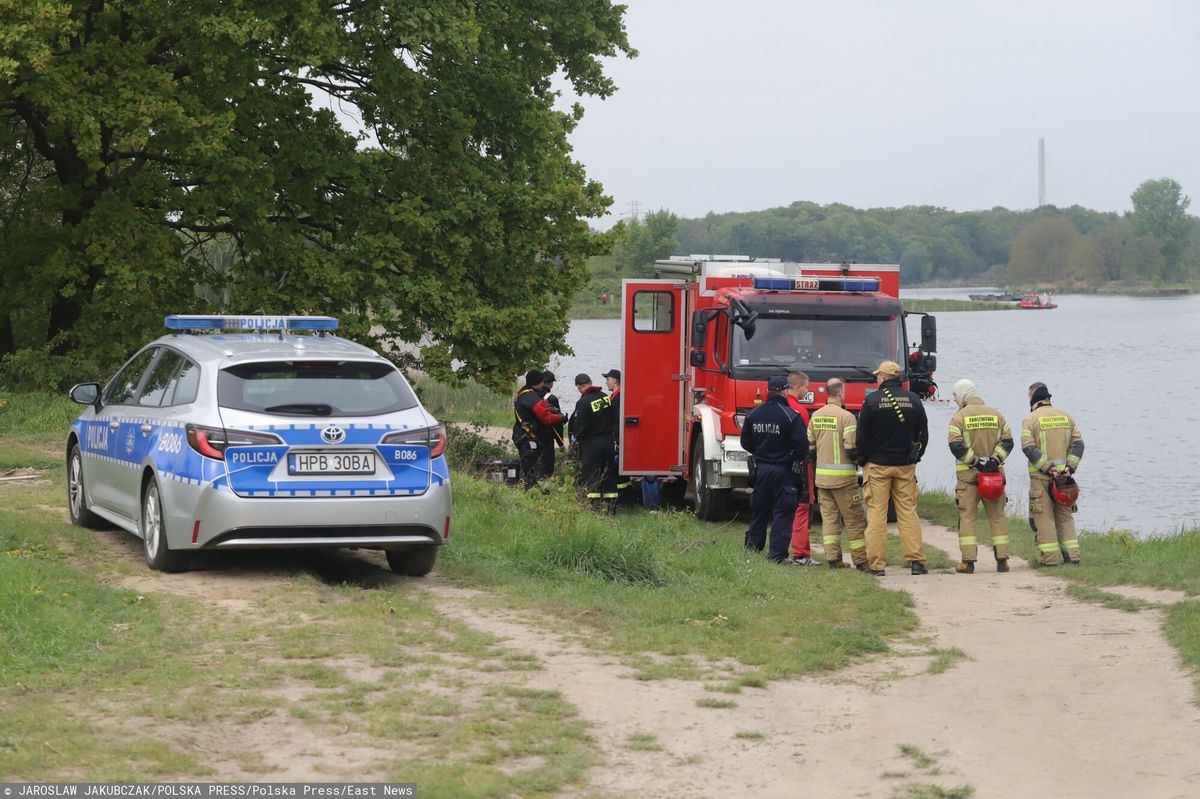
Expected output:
{"points": [[711, 504]]}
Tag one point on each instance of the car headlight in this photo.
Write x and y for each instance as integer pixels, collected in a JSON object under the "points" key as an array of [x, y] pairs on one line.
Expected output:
{"points": [[739, 419]]}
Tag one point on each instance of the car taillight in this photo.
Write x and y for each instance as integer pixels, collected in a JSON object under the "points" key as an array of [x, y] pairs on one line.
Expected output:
{"points": [[211, 442], [432, 437]]}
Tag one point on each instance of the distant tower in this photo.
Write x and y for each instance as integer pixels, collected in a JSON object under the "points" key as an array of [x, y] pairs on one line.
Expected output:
{"points": [[1041, 172]]}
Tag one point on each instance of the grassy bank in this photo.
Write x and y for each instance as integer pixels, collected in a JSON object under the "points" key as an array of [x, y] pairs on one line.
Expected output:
{"points": [[1110, 559], [940, 306]]}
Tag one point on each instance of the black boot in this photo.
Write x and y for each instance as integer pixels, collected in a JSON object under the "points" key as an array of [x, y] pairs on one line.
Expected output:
{"points": [[1001, 564], [919, 568], [966, 567]]}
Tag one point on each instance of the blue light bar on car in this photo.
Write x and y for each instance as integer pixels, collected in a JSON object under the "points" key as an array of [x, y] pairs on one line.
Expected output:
{"points": [[817, 283], [194, 322]]}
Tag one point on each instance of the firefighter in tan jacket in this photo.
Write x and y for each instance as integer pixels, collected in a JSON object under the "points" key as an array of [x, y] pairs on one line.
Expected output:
{"points": [[980, 440], [1053, 444], [831, 431]]}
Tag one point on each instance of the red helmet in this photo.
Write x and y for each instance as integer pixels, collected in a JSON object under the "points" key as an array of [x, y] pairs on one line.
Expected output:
{"points": [[1064, 489], [991, 485]]}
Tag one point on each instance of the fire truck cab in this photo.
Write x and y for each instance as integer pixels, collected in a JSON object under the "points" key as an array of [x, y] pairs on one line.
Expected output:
{"points": [[700, 341]]}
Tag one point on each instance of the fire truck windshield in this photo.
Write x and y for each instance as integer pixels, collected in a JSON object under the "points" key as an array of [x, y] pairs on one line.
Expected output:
{"points": [[846, 346]]}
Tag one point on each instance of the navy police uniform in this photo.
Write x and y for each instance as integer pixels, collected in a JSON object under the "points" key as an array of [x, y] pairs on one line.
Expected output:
{"points": [[775, 435]]}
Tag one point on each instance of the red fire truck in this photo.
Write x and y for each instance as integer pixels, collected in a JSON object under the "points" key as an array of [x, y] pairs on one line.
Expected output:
{"points": [[700, 341]]}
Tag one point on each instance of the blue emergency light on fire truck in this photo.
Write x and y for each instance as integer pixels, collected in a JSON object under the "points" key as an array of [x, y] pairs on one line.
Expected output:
{"points": [[699, 342]]}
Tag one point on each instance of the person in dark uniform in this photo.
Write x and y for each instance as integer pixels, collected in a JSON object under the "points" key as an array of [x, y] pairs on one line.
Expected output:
{"points": [[591, 428], [624, 483], [893, 432], [546, 458], [532, 425], [775, 435]]}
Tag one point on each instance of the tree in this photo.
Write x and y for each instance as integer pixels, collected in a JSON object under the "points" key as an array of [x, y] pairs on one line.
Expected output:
{"points": [[1160, 210], [915, 264], [453, 219], [1040, 253], [645, 242]]}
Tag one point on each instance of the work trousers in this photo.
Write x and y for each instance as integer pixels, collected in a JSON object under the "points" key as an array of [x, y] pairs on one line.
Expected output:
{"points": [[773, 501], [966, 495], [545, 465], [596, 472], [842, 509], [1053, 524], [801, 538], [899, 484], [530, 454]]}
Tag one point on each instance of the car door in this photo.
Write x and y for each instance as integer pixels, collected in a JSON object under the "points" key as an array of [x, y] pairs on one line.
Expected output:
{"points": [[112, 437]]}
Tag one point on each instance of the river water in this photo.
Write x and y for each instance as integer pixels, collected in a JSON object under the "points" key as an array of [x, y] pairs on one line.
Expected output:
{"points": [[1127, 369]]}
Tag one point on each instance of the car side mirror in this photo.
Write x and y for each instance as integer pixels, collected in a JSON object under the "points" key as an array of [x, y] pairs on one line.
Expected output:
{"points": [[929, 334], [699, 329], [86, 394], [698, 358]]}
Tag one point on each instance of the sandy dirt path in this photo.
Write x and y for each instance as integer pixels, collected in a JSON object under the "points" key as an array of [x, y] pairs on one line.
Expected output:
{"points": [[1057, 698]]}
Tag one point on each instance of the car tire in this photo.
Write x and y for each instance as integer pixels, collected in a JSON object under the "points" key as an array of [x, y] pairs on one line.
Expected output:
{"points": [[413, 561], [159, 555], [76, 495], [711, 504]]}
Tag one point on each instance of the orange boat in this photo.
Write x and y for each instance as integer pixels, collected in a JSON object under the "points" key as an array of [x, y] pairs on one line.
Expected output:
{"points": [[1034, 302]]}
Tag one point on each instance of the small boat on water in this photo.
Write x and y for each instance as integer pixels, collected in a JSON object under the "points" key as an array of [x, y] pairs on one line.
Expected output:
{"points": [[1034, 302]]}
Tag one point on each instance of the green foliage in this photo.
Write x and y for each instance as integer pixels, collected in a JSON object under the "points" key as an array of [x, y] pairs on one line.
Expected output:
{"points": [[1160, 211], [645, 242], [158, 158]]}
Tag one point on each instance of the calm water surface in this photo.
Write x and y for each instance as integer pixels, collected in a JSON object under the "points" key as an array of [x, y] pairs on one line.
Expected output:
{"points": [[1127, 369]]}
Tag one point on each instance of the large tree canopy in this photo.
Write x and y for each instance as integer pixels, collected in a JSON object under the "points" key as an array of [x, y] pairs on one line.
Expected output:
{"points": [[185, 155]]}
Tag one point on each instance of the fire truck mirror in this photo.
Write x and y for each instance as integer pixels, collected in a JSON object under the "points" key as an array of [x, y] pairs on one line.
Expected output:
{"points": [[929, 334], [698, 358], [699, 331]]}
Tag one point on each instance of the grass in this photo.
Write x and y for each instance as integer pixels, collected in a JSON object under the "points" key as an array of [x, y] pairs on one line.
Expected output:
{"points": [[1117, 557], [718, 704], [643, 742], [749, 735], [468, 403], [944, 659], [938, 306], [666, 584]]}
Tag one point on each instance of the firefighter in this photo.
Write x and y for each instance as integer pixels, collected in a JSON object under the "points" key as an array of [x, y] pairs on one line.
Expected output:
{"points": [[591, 427], [801, 538], [831, 432], [534, 419], [546, 458], [892, 435], [624, 484], [980, 440], [775, 436], [1054, 446]]}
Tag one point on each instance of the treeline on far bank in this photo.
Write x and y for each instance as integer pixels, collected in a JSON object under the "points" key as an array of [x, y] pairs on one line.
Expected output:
{"points": [[1157, 243]]}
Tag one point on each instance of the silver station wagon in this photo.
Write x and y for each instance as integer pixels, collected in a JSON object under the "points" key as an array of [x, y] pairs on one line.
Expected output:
{"points": [[280, 435]]}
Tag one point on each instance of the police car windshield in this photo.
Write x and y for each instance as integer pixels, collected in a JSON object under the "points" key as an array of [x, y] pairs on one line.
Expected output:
{"points": [[845, 345], [315, 388]]}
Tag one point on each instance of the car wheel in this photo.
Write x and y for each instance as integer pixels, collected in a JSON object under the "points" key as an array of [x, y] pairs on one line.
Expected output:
{"points": [[159, 555], [711, 504], [76, 497], [414, 561]]}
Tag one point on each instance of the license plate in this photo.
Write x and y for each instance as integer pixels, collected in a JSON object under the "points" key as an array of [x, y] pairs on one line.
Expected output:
{"points": [[331, 463]]}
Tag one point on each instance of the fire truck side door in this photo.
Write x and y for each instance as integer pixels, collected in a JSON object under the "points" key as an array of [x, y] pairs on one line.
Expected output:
{"points": [[653, 374]]}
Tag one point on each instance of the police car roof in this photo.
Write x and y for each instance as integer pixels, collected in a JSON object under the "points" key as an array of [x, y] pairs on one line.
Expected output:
{"points": [[266, 346]]}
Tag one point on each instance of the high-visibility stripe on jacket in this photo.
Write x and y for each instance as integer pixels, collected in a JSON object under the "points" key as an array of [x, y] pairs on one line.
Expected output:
{"points": [[1050, 437], [831, 433]]}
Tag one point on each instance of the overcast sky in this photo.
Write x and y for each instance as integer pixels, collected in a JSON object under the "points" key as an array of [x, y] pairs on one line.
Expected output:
{"points": [[750, 104]]}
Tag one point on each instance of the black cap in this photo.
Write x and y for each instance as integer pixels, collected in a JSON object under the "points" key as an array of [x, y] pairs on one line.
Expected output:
{"points": [[613, 373], [548, 377], [777, 383], [534, 376], [581, 378]]}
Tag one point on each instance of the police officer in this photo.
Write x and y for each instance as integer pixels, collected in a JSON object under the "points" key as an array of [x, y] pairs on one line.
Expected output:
{"points": [[532, 425], [893, 432], [801, 539], [774, 434], [832, 432], [1053, 444], [591, 427], [980, 439]]}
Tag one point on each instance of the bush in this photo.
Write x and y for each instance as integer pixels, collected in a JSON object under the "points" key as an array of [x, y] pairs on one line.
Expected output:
{"points": [[465, 448], [37, 369]]}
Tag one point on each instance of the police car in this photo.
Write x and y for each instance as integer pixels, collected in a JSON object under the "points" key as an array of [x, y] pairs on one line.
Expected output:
{"points": [[280, 435]]}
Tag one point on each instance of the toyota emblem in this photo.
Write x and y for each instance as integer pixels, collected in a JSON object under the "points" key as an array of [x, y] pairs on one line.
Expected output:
{"points": [[333, 435]]}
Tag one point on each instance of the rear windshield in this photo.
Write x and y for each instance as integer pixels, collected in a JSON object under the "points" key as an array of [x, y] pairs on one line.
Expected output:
{"points": [[315, 388]]}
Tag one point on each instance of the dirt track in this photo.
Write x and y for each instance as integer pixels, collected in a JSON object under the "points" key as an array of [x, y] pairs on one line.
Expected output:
{"points": [[1056, 698]]}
